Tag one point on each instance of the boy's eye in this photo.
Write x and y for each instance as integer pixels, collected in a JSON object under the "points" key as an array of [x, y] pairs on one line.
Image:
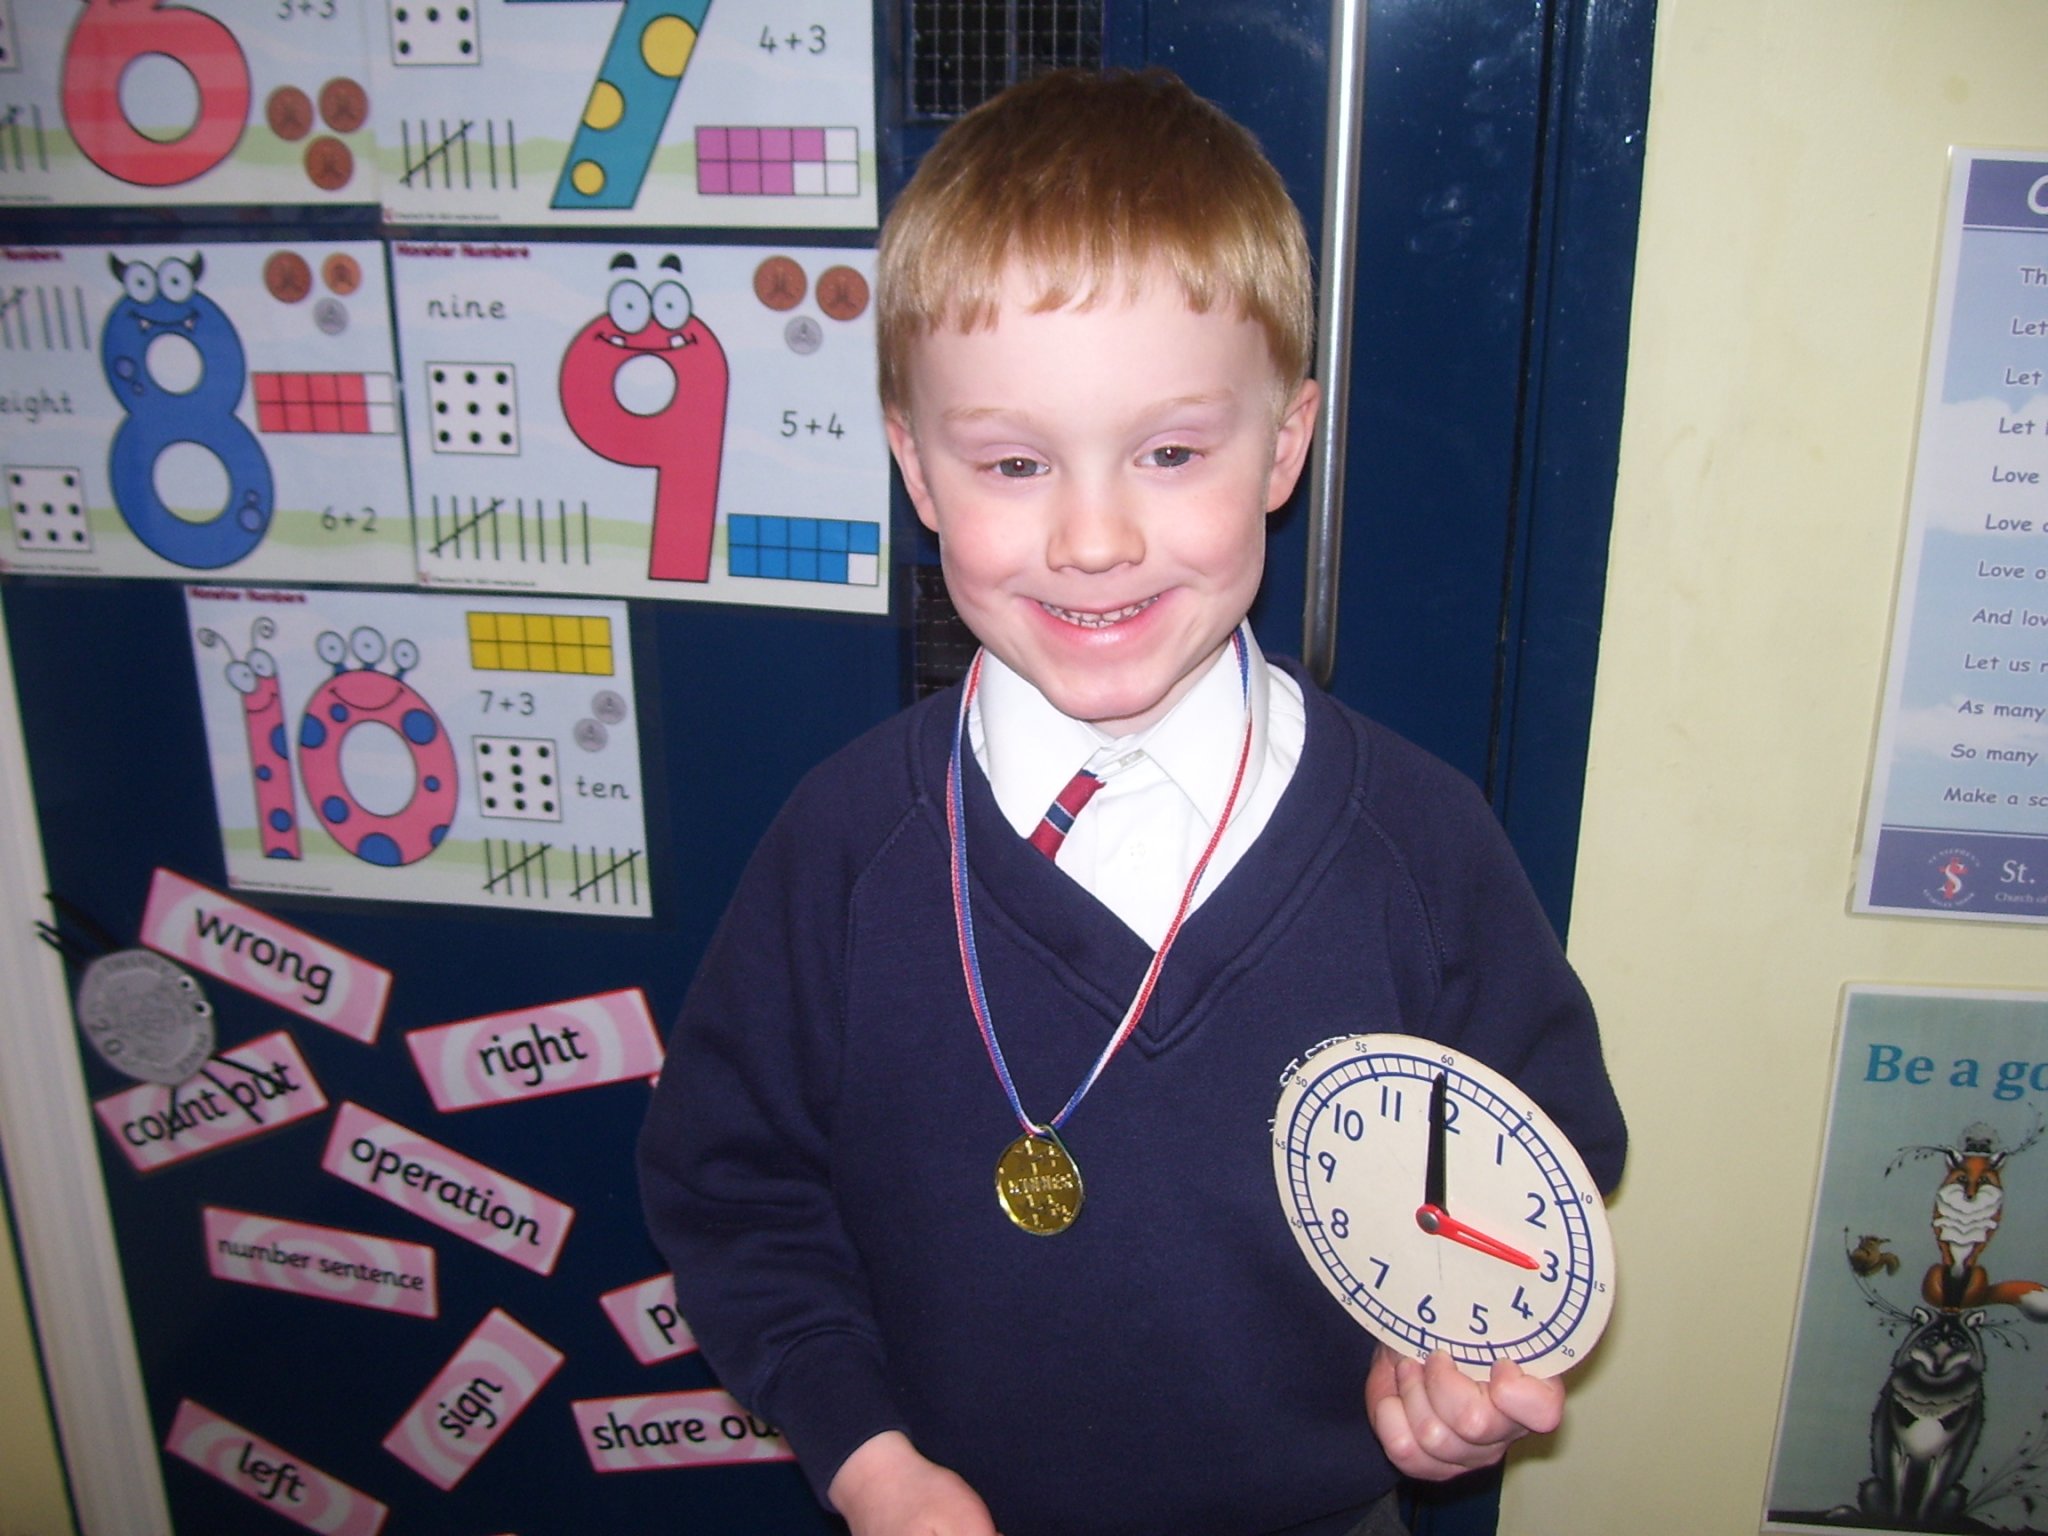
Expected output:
{"points": [[1017, 467], [1173, 456]]}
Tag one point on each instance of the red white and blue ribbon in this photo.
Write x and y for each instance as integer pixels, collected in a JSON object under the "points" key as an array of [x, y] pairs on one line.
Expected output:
{"points": [[963, 913]]}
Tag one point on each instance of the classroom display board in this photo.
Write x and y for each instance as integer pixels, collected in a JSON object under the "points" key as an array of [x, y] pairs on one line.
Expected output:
{"points": [[392, 516], [1957, 820], [559, 407]]}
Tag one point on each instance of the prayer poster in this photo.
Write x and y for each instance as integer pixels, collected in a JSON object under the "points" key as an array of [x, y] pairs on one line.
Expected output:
{"points": [[136, 102], [603, 113], [663, 421], [1957, 820], [1917, 1396], [171, 410], [405, 747]]}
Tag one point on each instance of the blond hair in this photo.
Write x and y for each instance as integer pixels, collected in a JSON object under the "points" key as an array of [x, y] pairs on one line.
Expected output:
{"points": [[1088, 181]]}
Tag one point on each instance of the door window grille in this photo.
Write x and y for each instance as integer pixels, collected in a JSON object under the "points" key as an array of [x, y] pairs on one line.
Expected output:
{"points": [[963, 51]]}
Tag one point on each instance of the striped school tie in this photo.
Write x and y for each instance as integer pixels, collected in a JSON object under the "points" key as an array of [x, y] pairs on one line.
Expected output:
{"points": [[1058, 820]]}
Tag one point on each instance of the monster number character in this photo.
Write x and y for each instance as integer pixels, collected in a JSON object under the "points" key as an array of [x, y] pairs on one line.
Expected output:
{"points": [[161, 308], [681, 441], [254, 677], [362, 695], [108, 37]]}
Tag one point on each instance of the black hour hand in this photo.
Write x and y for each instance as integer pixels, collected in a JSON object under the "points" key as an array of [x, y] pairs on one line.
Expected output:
{"points": [[1433, 1170]]}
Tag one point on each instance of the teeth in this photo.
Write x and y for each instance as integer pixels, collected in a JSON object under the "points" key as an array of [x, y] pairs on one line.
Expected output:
{"points": [[1097, 620]]}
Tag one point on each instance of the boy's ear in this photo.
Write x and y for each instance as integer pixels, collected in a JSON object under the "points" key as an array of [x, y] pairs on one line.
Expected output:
{"points": [[904, 446], [1290, 445]]}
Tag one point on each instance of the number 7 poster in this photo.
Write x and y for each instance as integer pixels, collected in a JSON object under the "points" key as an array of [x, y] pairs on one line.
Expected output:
{"points": [[626, 112]]}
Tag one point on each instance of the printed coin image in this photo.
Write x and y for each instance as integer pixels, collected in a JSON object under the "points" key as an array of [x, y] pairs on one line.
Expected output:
{"points": [[342, 273], [331, 316], [802, 335], [590, 736], [287, 277], [842, 293], [289, 114], [779, 283], [329, 164], [146, 1016], [343, 104], [609, 707]]}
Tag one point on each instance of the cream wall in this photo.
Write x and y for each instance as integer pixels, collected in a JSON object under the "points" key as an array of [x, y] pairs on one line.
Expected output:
{"points": [[32, 1501], [1791, 215]]}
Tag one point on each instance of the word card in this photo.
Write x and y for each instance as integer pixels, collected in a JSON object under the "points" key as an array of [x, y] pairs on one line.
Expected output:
{"points": [[688, 422], [323, 1263], [440, 1185], [123, 102], [658, 1431], [625, 112], [391, 746], [172, 410], [473, 1399], [528, 1053], [645, 1315], [247, 1091], [271, 1476]]}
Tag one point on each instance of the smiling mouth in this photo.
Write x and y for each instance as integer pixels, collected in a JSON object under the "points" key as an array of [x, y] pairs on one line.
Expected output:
{"points": [[670, 345], [1098, 620]]}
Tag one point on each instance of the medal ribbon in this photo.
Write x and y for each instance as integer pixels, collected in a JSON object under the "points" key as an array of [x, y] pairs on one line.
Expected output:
{"points": [[963, 913]]}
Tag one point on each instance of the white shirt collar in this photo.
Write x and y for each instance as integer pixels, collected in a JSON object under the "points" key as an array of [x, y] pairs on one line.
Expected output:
{"points": [[1029, 750]]}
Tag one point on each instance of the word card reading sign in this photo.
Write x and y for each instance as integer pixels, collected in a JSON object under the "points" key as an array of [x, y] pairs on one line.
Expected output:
{"points": [[473, 1400]]}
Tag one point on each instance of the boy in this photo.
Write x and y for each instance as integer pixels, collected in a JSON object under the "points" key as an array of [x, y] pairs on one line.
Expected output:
{"points": [[1095, 321]]}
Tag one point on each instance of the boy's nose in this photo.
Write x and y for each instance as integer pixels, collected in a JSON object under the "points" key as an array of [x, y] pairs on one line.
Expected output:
{"points": [[1093, 530]]}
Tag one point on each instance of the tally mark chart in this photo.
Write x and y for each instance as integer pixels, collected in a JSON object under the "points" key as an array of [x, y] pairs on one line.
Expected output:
{"points": [[173, 410], [656, 421], [626, 112], [405, 747], [125, 102]]}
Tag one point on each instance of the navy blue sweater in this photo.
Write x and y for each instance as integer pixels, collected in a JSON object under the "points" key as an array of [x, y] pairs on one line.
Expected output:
{"points": [[818, 1163]]}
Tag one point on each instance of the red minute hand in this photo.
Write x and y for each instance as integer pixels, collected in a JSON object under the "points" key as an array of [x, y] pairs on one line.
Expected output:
{"points": [[1438, 1222]]}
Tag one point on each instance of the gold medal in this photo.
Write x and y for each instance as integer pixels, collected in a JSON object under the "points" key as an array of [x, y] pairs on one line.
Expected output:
{"points": [[1038, 1184]]}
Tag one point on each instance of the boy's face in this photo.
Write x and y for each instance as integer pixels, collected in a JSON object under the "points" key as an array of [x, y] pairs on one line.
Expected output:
{"points": [[1099, 481]]}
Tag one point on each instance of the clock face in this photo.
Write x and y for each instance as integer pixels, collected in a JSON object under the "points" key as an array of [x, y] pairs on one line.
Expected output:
{"points": [[1441, 1206]]}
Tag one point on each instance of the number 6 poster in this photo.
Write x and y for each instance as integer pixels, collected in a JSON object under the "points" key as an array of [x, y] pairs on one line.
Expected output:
{"points": [[126, 102]]}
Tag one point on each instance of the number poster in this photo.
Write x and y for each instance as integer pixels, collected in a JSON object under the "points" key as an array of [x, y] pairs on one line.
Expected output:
{"points": [[129, 102], [643, 112], [173, 410], [645, 420], [404, 747]]}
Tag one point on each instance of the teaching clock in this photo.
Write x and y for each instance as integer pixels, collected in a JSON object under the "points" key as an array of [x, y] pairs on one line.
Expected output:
{"points": [[1441, 1206]]}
